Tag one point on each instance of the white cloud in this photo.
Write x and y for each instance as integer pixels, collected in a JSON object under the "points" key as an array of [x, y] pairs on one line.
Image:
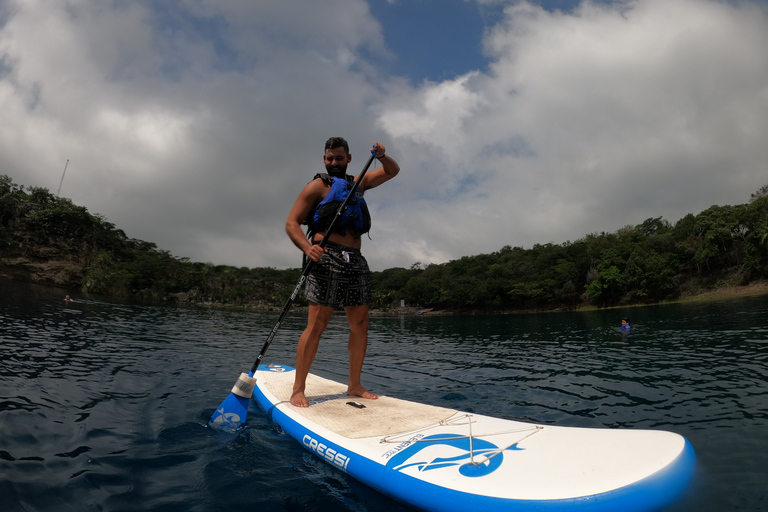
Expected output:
{"points": [[590, 121], [191, 128], [195, 126]]}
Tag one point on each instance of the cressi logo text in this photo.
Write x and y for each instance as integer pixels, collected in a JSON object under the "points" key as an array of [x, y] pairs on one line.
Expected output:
{"points": [[325, 452]]}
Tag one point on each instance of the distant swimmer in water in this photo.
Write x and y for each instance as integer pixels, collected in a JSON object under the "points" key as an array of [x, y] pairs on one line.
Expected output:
{"points": [[69, 299], [625, 324]]}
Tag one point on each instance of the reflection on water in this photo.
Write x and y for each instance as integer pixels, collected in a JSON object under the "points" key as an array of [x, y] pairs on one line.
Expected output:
{"points": [[104, 405]]}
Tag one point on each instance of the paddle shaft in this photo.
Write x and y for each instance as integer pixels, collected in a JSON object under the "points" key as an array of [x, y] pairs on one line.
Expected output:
{"points": [[308, 267]]}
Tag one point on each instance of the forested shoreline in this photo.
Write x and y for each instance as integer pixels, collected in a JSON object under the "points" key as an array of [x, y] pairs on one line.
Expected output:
{"points": [[49, 240]]}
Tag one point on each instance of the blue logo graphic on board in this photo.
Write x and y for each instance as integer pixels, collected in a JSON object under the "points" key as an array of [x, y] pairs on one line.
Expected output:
{"points": [[479, 459]]}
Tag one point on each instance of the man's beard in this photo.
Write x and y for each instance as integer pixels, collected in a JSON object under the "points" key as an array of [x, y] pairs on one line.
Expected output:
{"points": [[337, 171]]}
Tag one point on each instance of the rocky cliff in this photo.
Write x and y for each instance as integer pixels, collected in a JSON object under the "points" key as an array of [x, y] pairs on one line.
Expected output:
{"points": [[45, 265]]}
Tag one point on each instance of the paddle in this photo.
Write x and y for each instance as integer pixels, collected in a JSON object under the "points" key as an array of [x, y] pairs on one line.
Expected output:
{"points": [[234, 409]]}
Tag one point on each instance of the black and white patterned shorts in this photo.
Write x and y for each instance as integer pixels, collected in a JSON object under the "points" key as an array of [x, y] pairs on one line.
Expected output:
{"points": [[340, 278]]}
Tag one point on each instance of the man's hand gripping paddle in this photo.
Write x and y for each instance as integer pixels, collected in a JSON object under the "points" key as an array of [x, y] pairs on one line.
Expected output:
{"points": [[231, 414]]}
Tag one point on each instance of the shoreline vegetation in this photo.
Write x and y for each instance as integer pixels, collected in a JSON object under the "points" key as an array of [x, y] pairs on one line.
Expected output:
{"points": [[728, 292], [718, 254]]}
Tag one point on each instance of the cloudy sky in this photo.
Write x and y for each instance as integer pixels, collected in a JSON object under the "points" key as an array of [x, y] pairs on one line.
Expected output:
{"points": [[194, 124]]}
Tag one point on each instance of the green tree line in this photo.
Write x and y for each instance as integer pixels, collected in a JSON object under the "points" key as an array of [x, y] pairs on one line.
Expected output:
{"points": [[650, 262], [36, 225], [647, 263]]}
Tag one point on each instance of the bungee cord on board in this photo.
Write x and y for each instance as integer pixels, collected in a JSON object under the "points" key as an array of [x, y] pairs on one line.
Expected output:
{"points": [[417, 436]]}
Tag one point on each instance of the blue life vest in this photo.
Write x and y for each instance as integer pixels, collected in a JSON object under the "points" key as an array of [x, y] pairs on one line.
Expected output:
{"points": [[355, 216]]}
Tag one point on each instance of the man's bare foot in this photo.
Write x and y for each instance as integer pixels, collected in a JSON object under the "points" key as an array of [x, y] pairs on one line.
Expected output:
{"points": [[299, 400], [362, 392]]}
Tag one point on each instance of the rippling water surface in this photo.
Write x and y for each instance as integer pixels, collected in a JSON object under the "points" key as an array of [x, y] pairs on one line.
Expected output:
{"points": [[104, 405]]}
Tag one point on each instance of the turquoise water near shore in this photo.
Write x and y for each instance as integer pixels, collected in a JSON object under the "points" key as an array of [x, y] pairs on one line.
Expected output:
{"points": [[104, 405]]}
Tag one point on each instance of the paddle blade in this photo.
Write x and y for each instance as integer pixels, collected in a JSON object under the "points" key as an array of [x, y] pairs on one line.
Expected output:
{"points": [[234, 409], [231, 414]]}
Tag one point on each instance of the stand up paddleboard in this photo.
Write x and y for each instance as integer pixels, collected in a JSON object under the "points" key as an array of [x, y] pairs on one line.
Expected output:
{"points": [[442, 460]]}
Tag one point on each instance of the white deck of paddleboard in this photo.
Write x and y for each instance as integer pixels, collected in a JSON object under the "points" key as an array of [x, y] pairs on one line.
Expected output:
{"points": [[540, 462], [381, 417]]}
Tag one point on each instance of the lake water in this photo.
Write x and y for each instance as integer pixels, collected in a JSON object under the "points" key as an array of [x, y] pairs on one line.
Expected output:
{"points": [[104, 405]]}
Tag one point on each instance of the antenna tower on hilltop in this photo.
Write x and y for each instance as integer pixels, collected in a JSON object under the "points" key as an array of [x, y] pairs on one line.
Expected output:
{"points": [[62, 177]]}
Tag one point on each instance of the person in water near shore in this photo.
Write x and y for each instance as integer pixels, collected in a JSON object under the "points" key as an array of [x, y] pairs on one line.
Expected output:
{"points": [[625, 324], [340, 277]]}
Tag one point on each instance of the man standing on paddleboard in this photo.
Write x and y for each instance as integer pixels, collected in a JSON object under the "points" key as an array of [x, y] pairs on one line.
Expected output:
{"points": [[340, 276]]}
